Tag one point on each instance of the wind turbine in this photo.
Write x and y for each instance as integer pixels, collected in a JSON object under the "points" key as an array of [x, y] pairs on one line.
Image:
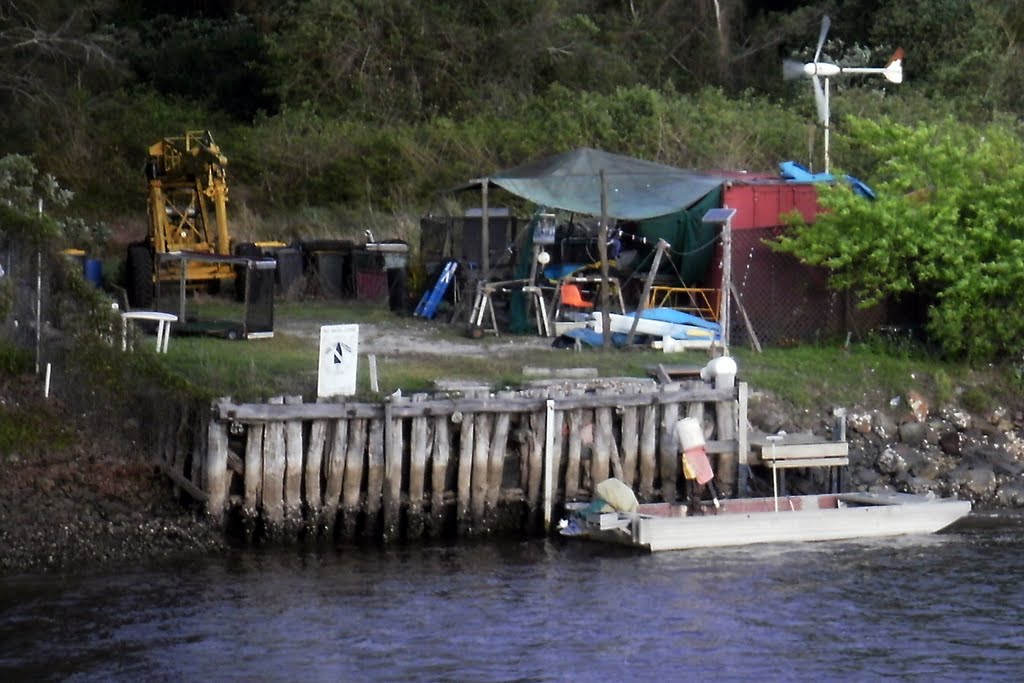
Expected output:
{"points": [[817, 70]]}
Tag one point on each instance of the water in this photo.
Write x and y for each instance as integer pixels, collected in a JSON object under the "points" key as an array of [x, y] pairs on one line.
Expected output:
{"points": [[941, 607]]}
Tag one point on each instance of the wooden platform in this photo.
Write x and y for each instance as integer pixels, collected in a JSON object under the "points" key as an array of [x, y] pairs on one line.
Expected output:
{"points": [[797, 450]]}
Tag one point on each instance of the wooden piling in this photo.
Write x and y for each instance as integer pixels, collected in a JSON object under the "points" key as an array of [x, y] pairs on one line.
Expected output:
{"points": [[601, 449], [481, 460], [312, 490], [355, 463], [648, 451], [273, 473], [394, 445], [630, 445], [334, 473], [374, 476], [496, 461], [439, 476], [293, 465], [668, 451], [467, 428], [572, 470], [419, 451], [253, 475], [216, 469], [535, 448]]}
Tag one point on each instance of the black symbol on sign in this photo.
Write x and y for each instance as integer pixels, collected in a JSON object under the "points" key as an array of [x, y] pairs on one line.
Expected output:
{"points": [[339, 352]]}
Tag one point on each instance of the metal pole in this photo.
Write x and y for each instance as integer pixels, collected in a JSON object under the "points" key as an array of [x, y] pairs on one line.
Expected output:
{"points": [[726, 280], [39, 298], [485, 236], [602, 250]]}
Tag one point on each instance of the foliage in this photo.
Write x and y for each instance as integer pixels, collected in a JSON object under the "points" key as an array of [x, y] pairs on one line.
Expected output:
{"points": [[26, 193], [948, 226]]}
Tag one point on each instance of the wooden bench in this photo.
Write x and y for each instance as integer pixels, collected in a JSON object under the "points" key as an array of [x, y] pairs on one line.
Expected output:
{"points": [[780, 451], [785, 451]]}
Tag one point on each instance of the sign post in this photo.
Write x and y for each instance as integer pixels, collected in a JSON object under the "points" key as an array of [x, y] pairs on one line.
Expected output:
{"points": [[339, 354]]}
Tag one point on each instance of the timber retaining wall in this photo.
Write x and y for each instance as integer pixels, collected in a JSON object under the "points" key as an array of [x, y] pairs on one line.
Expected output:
{"points": [[431, 465]]}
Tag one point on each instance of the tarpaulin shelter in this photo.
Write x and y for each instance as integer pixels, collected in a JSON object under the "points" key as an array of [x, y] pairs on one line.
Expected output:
{"points": [[666, 201], [635, 189]]}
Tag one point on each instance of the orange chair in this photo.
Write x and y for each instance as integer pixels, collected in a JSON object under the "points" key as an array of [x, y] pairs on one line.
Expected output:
{"points": [[571, 296]]}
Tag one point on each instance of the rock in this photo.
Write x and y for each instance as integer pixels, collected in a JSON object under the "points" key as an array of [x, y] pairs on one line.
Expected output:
{"points": [[1010, 494], [951, 443], [913, 433], [863, 477], [918, 406], [891, 462], [767, 416], [859, 422], [980, 481], [884, 425], [958, 418]]}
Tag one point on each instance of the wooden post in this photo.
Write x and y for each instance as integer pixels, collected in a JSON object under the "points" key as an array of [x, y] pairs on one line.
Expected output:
{"points": [[293, 464], [648, 283], [439, 475], [355, 457], [535, 442], [394, 446], [465, 472], [630, 444], [725, 422], [572, 470], [273, 472], [419, 452], [334, 472], [374, 475], [314, 464], [601, 450], [481, 451], [496, 459], [648, 450], [668, 452], [253, 476], [217, 469]]}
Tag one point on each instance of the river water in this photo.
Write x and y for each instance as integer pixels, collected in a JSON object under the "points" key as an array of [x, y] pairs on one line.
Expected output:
{"points": [[941, 607]]}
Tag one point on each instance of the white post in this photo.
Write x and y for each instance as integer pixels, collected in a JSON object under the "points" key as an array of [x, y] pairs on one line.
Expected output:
{"points": [[549, 457], [827, 164], [46, 385]]}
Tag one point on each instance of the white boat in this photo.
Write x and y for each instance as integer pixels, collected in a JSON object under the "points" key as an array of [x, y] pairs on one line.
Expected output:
{"points": [[745, 521]]}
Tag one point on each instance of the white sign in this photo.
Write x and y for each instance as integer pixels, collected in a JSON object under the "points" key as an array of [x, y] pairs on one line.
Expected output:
{"points": [[339, 352]]}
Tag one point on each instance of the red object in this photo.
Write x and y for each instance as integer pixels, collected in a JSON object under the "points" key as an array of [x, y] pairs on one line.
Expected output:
{"points": [[697, 459], [760, 204]]}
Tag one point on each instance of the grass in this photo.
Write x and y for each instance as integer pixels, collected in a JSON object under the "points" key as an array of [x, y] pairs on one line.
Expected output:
{"points": [[808, 377]]}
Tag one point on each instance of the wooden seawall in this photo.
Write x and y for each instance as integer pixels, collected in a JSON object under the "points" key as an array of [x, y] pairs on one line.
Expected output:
{"points": [[430, 465]]}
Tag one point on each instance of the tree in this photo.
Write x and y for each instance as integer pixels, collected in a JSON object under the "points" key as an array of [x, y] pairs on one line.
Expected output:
{"points": [[948, 226]]}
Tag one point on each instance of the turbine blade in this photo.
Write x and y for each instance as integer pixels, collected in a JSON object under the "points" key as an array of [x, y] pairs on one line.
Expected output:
{"points": [[825, 23], [792, 69], [894, 70], [819, 99]]}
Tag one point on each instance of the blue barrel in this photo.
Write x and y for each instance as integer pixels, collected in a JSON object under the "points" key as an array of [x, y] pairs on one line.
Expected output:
{"points": [[93, 271]]}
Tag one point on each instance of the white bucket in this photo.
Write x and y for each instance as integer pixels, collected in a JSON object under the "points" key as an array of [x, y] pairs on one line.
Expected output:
{"points": [[689, 433]]}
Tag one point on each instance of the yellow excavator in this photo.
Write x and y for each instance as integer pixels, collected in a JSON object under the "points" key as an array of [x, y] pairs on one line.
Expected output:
{"points": [[187, 203]]}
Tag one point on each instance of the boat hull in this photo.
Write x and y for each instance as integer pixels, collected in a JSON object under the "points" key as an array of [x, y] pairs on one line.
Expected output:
{"points": [[798, 519]]}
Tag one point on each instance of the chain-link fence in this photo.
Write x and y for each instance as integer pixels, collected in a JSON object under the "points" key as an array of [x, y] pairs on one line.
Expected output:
{"points": [[786, 301]]}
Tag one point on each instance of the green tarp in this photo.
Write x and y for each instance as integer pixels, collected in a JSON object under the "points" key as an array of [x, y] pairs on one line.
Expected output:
{"points": [[635, 189]]}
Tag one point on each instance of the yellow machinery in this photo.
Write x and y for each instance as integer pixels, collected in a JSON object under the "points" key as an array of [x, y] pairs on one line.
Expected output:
{"points": [[188, 196]]}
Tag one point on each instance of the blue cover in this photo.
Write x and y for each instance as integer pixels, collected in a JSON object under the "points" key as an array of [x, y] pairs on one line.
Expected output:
{"points": [[670, 315]]}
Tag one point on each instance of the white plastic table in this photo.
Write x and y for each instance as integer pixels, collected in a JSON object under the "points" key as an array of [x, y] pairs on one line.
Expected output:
{"points": [[163, 327]]}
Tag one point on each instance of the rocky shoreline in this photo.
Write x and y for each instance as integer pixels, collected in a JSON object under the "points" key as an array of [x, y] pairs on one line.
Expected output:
{"points": [[948, 452]]}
